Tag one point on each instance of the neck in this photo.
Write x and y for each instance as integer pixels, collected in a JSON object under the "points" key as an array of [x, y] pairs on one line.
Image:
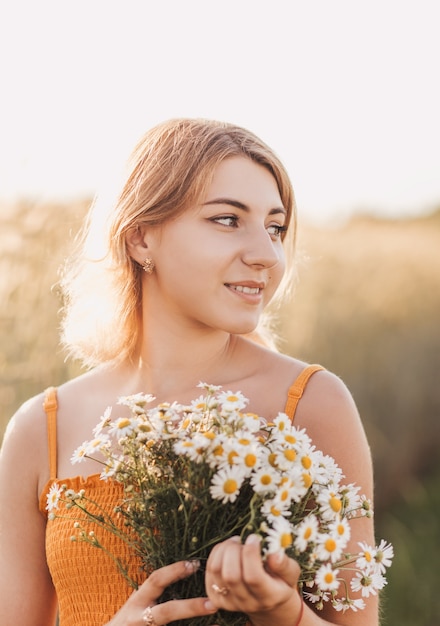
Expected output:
{"points": [[172, 361]]}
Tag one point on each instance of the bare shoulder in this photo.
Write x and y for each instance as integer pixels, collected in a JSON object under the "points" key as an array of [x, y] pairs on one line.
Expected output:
{"points": [[326, 394], [25, 440], [329, 414]]}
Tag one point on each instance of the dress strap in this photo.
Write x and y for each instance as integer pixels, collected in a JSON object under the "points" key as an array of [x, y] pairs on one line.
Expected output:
{"points": [[50, 405], [297, 389]]}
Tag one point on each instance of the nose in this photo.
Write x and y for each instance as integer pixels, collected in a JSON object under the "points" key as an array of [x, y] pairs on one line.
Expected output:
{"points": [[260, 250]]}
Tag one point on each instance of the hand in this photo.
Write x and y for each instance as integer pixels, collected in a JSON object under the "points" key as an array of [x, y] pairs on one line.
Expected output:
{"points": [[237, 579], [134, 613]]}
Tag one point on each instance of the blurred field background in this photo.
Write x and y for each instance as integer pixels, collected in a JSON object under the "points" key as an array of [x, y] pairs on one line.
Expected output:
{"points": [[367, 306]]}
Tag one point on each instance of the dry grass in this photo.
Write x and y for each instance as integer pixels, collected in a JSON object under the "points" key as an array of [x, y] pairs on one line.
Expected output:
{"points": [[33, 240]]}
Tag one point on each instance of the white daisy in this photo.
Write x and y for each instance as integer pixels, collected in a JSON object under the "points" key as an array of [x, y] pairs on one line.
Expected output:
{"points": [[350, 498], [316, 598], [252, 422], [282, 424], [326, 470], [306, 532], [136, 402], [340, 528], [383, 556], [330, 503], [366, 506], [104, 422], [264, 479], [190, 448], [365, 560], [326, 578], [209, 388], [53, 497], [273, 509], [343, 604], [226, 483], [230, 401], [368, 584], [80, 453], [329, 547], [279, 537], [123, 426]]}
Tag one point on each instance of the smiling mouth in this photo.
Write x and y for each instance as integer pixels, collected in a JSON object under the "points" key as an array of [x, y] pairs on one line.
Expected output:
{"points": [[248, 290]]}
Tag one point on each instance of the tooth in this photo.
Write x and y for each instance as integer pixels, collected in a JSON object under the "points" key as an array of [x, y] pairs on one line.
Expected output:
{"points": [[249, 290]]}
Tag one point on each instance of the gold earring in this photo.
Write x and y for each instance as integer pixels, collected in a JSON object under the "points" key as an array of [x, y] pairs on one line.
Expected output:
{"points": [[148, 266]]}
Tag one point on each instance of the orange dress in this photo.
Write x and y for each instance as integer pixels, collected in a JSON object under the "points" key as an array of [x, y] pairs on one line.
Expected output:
{"points": [[89, 587]]}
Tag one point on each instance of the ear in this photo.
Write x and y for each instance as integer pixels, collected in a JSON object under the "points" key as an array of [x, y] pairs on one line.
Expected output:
{"points": [[136, 244]]}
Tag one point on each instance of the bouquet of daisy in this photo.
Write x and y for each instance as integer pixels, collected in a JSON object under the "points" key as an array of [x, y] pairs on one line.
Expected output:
{"points": [[194, 475]]}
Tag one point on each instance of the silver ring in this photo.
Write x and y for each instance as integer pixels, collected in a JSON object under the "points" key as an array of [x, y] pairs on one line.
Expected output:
{"points": [[222, 590], [147, 617]]}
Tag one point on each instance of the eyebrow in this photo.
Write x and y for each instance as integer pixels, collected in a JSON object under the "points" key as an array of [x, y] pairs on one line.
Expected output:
{"points": [[243, 207]]}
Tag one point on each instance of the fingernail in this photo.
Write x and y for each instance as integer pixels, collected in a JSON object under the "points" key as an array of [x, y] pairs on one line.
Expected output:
{"points": [[209, 606], [253, 540], [193, 565]]}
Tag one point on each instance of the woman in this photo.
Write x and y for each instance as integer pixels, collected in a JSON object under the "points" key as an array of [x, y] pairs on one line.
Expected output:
{"points": [[193, 252]]}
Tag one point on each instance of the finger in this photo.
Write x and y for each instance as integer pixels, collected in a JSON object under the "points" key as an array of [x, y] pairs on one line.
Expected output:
{"points": [[180, 609], [224, 550], [161, 578], [224, 580], [282, 566]]}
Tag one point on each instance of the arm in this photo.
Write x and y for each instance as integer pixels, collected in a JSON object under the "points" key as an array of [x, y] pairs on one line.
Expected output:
{"points": [[268, 595], [26, 592]]}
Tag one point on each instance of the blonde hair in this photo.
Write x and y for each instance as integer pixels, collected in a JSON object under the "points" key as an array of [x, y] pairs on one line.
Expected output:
{"points": [[169, 171]]}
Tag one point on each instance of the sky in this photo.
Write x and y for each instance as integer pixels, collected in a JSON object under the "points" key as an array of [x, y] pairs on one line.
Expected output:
{"points": [[345, 91]]}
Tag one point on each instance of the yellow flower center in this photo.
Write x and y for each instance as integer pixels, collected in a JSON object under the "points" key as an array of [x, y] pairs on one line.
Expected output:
{"points": [[244, 442], [218, 451], [250, 460], [330, 545], [335, 504], [123, 423], [230, 486], [232, 398], [307, 533], [265, 479], [290, 439], [341, 529], [273, 459], [290, 455], [307, 479], [329, 578], [286, 540], [276, 512], [231, 457], [306, 462], [209, 435]]}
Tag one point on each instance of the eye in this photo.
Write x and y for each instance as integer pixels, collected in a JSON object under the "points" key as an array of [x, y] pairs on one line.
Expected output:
{"points": [[226, 220], [276, 230]]}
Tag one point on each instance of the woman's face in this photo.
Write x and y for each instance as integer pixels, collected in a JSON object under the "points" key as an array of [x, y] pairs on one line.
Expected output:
{"points": [[218, 264]]}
